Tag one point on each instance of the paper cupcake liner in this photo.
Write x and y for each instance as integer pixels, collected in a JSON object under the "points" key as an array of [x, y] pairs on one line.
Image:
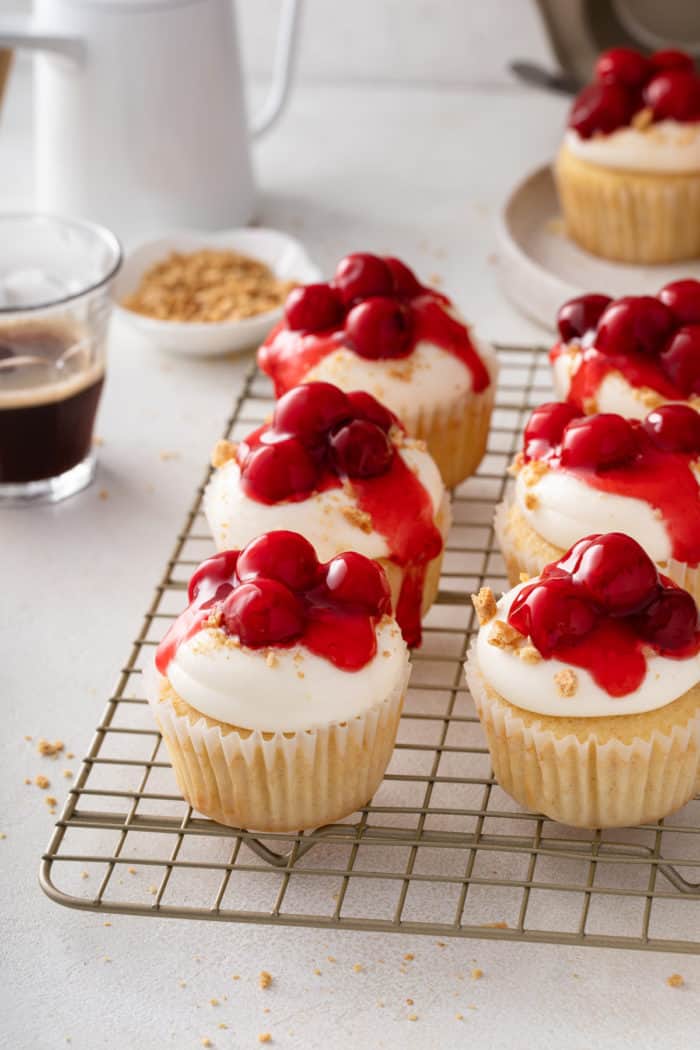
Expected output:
{"points": [[589, 778], [634, 217], [275, 781]]}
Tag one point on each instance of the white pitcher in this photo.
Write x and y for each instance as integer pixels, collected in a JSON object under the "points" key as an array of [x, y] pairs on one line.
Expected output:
{"points": [[140, 120]]}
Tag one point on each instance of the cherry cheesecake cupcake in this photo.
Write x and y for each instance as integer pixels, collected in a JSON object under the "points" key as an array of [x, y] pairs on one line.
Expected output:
{"points": [[632, 354], [374, 327], [587, 684], [628, 172], [279, 689], [578, 473], [339, 469]]}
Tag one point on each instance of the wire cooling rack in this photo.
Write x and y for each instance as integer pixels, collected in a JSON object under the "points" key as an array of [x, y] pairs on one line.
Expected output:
{"points": [[440, 850]]}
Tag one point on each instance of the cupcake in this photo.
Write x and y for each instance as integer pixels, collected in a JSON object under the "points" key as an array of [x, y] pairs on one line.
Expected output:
{"points": [[340, 470], [278, 690], [374, 327], [631, 354], [628, 171], [579, 473], [587, 684]]}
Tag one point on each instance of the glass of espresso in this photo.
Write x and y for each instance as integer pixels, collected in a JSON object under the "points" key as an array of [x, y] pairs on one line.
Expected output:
{"points": [[55, 276]]}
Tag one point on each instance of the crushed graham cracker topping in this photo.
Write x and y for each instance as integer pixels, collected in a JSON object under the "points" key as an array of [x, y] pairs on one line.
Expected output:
{"points": [[485, 605], [264, 979], [222, 452], [518, 463], [503, 636], [643, 118], [360, 518], [531, 501], [533, 471], [566, 682], [529, 655], [524, 577]]}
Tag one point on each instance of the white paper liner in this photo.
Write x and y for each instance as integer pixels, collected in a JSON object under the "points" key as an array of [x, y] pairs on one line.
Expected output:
{"points": [[277, 781], [589, 784]]}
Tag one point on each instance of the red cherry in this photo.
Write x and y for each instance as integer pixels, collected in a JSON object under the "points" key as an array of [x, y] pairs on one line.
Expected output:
{"points": [[569, 562], [379, 328], [364, 406], [551, 614], [283, 556], [405, 281], [670, 621], [622, 65], [309, 411], [361, 449], [361, 275], [601, 107], [674, 428], [683, 300], [358, 582], [271, 473], [546, 425], [580, 315], [674, 95], [680, 359], [634, 324], [264, 612], [312, 308], [597, 442], [617, 573], [211, 576], [670, 58]]}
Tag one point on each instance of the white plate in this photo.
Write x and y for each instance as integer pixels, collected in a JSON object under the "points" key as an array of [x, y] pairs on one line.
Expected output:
{"points": [[540, 267], [285, 256]]}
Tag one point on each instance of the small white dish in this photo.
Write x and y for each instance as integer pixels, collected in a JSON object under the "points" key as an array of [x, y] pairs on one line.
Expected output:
{"points": [[540, 267], [285, 256]]}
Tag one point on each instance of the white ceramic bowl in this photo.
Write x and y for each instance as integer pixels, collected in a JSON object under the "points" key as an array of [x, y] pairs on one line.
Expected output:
{"points": [[285, 256]]}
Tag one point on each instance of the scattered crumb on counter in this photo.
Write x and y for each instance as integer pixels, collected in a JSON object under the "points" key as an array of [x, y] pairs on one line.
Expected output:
{"points": [[265, 979], [103, 494], [183, 984], [264, 1037], [675, 981], [168, 454], [213, 1002], [27, 780], [409, 956], [67, 773], [235, 977], [317, 972], [45, 747], [331, 958], [205, 1041], [357, 968], [106, 923], [98, 441], [50, 800], [107, 958], [380, 1003], [494, 925], [412, 1017], [409, 1002], [459, 1017], [222, 1024], [42, 782], [69, 754], [476, 974], [27, 737], [84, 875], [153, 890], [441, 944], [132, 871]]}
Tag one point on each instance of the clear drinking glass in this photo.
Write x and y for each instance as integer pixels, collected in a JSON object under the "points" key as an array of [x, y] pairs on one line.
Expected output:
{"points": [[55, 276]]}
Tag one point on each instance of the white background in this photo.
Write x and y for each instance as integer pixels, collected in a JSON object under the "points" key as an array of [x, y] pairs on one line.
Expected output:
{"points": [[404, 134]]}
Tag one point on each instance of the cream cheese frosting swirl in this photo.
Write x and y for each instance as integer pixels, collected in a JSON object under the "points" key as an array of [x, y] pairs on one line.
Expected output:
{"points": [[667, 146]]}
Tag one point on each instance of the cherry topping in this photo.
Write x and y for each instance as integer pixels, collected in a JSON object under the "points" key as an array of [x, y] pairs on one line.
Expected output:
{"points": [[312, 308], [405, 281], [596, 442], [634, 324], [669, 621], [680, 359], [670, 58], [212, 575], [279, 471], [674, 95], [581, 315], [379, 328], [263, 612], [683, 300], [357, 582], [617, 573], [309, 411], [546, 425], [361, 449], [281, 555], [552, 614], [622, 65], [674, 428], [361, 275], [365, 406], [601, 107]]}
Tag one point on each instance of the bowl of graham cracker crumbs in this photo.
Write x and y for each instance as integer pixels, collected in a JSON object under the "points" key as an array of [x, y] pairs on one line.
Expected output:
{"points": [[210, 293]]}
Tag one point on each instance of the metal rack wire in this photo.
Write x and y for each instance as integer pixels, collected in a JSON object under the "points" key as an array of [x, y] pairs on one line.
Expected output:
{"points": [[440, 850]]}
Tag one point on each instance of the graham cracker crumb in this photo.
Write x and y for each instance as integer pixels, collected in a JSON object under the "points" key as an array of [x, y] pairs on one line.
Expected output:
{"points": [[106, 923], [441, 944], [503, 636], [153, 890], [409, 1002], [409, 956], [103, 494], [331, 958], [213, 1002], [167, 454], [222, 1024], [45, 747], [27, 737], [531, 501], [649, 398], [357, 968], [50, 800], [265, 979], [459, 1017], [477, 974], [517, 465], [271, 659], [222, 452], [42, 782], [69, 754], [67, 773], [206, 1042], [412, 1017], [643, 118], [495, 926], [485, 604], [183, 984], [84, 875], [317, 972], [359, 518], [235, 977], [300, 674], [675, 981], [567, 682], [533, 471], [27, 780], [98, 441], [524, 577], [132, 871], [529, 655], [264, 1037]]}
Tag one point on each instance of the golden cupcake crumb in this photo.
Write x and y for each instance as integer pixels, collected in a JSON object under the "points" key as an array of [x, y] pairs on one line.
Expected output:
{"points": [[675, 981], [529, 655], [265, 979], [566, 682], [503, 636], [485, 605], [222, 452]]}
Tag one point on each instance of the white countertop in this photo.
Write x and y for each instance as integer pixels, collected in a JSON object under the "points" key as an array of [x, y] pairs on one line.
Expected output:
{"points": [[419, 173]]}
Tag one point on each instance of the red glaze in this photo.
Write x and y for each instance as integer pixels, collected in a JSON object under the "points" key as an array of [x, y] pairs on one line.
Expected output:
{"points": [[626, 81], [357, 451], [597, 442], [680, 359], [663, 448], [683, 300], [600, 606], [384, 325], [361, 275], [312, 308], [337, 622], [581, 315]]}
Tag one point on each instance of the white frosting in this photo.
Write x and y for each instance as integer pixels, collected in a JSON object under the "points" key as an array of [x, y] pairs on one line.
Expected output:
{"points": [[300, 691], [428, 380], [235, 519], [566, 508], [668, 146], [532, 685]]}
